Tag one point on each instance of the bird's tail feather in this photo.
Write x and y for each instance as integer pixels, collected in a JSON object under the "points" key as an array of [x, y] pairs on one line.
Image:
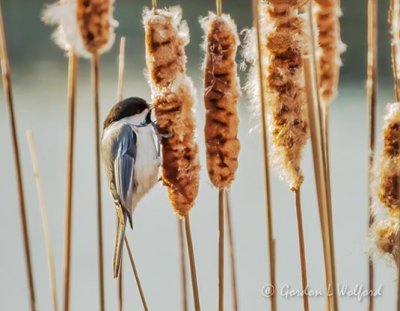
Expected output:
{"points": [[119, 243]]}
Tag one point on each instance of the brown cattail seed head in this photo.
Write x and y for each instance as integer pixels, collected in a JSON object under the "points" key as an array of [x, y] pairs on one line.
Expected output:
{"points": [[389, 169], [329, 48], [94, 22], [386, 236], [166, 38], [221, 94], [283, 48], [173, 100]]}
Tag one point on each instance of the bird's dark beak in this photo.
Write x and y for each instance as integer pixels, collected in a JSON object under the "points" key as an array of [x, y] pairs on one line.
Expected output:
{"points": [[148, 117]]}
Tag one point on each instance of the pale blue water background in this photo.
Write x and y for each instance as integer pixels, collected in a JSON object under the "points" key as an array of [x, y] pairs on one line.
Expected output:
{"points": [[39, 77]]}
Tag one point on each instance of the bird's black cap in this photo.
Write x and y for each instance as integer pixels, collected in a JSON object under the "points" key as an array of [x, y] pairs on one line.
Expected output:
{"points": [[125, 108]]}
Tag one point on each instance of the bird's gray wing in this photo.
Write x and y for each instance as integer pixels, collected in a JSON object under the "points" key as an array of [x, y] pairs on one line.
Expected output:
{"points": [[124, 164]]}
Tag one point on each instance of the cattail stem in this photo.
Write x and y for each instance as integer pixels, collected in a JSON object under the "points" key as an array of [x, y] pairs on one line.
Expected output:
{"points": [[96, 113], [269, 221], [192, 262], [136, 274], [372, 87], [394, 47], [182, 256], [398, 289], [302, 250], [120, 96], [221, 237], [319, 124], [154, 4], [45, 222], [121, 69], [228, 217], [120, 287], [72, 79], [219, 7], [321, 179], [6, 78]]}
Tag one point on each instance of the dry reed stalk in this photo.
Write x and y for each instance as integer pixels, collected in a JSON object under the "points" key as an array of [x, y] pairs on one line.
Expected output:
{"points": [[269, 221], [96, 112], [120, 97], [228, 218], [173, 99], [136, 274], [95, 24], [221, 238], [182, 256], [394, 13], [43, 214], [221, 94], [320, 170], [372, 87], [72, 83], [302, 249], [192, 257], [121, 69], [7, 87], [329, 48]]}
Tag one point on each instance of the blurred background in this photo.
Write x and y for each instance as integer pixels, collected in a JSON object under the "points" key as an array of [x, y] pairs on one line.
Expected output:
{"points": [[39, 71]]}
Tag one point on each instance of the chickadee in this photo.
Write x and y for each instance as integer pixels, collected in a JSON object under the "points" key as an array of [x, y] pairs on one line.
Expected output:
{"points": [[130, 152]]}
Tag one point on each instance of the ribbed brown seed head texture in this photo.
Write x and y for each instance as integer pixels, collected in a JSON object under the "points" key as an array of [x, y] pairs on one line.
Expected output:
{"points": [[173, 100], [389, 170], [285, 92], [330, 47], [221, 94], [94, 22]]}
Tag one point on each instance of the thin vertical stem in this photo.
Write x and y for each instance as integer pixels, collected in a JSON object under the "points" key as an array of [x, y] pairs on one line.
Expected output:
{"points": [[72, 79], [7, 87], [136, 274], [318, 117], [394, 47], [182, 256], [45, 222], [268, 208], [120, 96], [121, 69], [192, 262], [372, 87], [228, 218], [398, 289], [120, 287], [96, 113], [154, 3], [321, 180], [221, 238], [302, 249], [219, 7]]}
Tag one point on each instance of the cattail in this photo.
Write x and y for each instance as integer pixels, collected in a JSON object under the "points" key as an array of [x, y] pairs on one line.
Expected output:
{"points": [[284, 42], [173, 100], [386, 228], [85, 27], [389, 171], [330, 47], [221, 94]]}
